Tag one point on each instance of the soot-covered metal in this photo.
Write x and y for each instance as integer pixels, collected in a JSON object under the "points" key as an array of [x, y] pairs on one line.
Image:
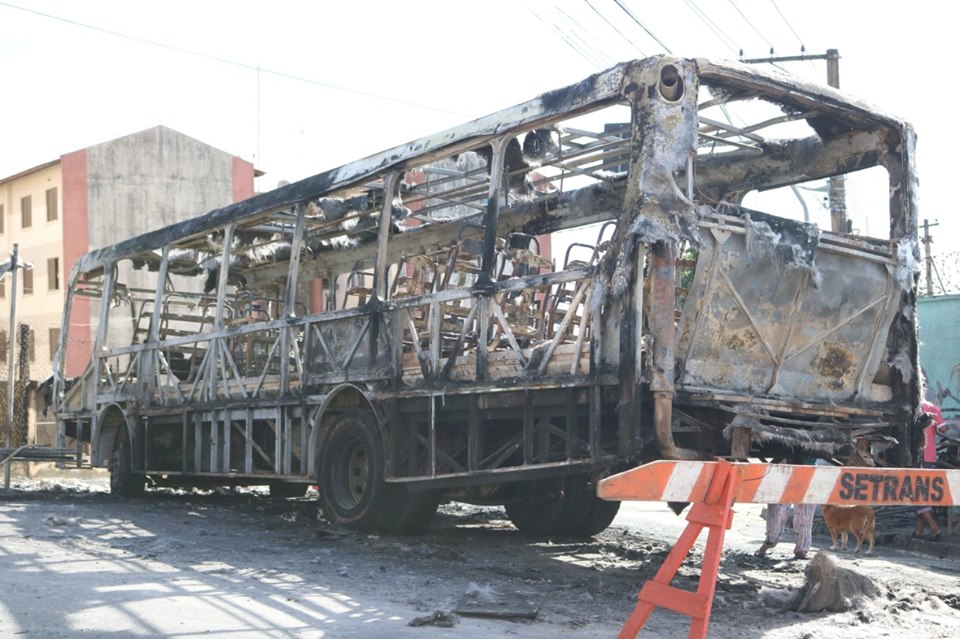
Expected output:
{"points": [[508, 310]]}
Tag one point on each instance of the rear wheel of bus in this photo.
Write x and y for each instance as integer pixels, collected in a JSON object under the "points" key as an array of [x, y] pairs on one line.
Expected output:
{"points": [[587, 514], [563, 507], [124, 480], [408, 512], [540, 511]]}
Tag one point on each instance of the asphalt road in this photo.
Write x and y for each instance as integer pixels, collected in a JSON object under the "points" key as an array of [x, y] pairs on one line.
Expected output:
{"points": [[82, 564]]}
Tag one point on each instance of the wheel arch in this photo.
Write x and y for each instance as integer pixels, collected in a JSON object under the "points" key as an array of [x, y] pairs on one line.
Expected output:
{"points": [[112, 419], [342, 397]]}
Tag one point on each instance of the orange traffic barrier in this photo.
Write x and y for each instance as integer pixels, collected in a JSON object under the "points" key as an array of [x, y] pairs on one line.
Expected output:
{"points": [[713, 487], [786, 484]]}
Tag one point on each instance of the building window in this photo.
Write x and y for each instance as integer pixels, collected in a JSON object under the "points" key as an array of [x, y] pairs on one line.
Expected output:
{"points": [[27, 281], [3, 288], [53, 274], [52, 209], [26, 212], [54, 341]]}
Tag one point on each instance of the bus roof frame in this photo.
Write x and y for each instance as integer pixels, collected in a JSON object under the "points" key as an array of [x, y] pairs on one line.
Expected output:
{"points": [[870, 128]]}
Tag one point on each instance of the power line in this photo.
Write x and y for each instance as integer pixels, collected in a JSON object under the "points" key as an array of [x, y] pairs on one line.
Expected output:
{"points": [[612, 26], [720, 33], [574, 33], [642, 26], [242, 65], [747, 20], [803, 48], [559, 32]]}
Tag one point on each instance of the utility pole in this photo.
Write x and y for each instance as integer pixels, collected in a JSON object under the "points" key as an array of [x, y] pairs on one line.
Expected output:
{"points": [[11, 341], [838, 186], [928, 260], [838, 190]]}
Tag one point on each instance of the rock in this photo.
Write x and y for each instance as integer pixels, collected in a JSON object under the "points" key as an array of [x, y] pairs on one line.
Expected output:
{"points": [[54, 520], [438, 618], [831, 588]]}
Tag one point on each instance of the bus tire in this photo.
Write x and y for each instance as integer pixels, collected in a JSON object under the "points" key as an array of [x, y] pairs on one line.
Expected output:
{"points": [[350, 471], [124, 480], [408, 512], [587, 514], [542, 512]]}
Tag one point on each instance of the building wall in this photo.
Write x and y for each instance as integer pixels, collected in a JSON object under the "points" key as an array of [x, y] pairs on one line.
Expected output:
{"points": [[150, 179], [142, 182], [39, 305], [75, 244], [940, 347], [105, 193]]}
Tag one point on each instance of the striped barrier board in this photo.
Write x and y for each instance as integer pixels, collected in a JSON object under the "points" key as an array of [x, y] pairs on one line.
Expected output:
{"points": [[713, 488], [687, 481]]}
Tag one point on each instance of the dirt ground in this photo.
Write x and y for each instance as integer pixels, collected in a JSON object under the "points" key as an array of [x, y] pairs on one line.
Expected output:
{"points": [[77, 562]]}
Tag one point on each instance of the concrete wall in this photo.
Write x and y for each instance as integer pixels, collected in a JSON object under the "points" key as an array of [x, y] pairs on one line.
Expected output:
{"points": [[150, 179], [106, 193], [939, 319]]}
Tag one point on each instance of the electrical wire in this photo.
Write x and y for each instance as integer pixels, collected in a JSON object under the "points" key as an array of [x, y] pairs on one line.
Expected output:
{"points": [[559, 32], [717, 31], [789, 26], [234, 63], [803, 48], [575, 28], [643, 26], [747, 20], [612, 26]]}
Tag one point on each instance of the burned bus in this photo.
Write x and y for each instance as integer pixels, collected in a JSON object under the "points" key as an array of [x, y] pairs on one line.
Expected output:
{"points": [[507, 311]]}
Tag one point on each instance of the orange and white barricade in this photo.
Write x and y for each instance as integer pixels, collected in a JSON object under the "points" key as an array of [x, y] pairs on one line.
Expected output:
{"points": [[713, 487]]}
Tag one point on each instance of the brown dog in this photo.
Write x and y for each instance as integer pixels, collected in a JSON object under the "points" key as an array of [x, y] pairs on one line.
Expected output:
{"points": [[859, 520]]}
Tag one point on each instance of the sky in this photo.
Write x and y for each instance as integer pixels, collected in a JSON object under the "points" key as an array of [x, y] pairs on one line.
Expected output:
{"points": [[301, 87]]}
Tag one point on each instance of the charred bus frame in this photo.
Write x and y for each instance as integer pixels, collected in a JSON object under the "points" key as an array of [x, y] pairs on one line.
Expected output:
{"points": [[392, 331]]}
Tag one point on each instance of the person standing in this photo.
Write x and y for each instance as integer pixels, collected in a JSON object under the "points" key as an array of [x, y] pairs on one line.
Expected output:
{"points": [[925, 514], [777, 516]]}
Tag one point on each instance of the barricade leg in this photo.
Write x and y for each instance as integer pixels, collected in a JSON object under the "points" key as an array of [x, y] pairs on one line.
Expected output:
{"points": [[716, 514]]}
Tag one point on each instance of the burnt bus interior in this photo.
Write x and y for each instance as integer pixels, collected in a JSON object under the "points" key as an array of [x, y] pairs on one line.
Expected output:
{"points": [[505, 317]]}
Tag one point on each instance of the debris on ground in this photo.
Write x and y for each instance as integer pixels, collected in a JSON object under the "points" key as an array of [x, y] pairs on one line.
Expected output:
{"points": [[471, 567], [484, 601], [829, 587], [439, 619]]}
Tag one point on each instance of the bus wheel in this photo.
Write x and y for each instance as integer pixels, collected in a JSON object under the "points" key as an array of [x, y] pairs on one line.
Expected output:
{"points": [[124, 480], [587, 514], [408, 512], [542, 512], [350, 472]]}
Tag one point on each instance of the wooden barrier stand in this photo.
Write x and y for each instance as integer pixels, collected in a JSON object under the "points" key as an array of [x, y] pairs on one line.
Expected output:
{"points": [[713, 487]]}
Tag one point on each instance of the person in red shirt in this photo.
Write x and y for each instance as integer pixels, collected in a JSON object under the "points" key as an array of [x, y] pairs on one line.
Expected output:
{"points": [[925, 515]]}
